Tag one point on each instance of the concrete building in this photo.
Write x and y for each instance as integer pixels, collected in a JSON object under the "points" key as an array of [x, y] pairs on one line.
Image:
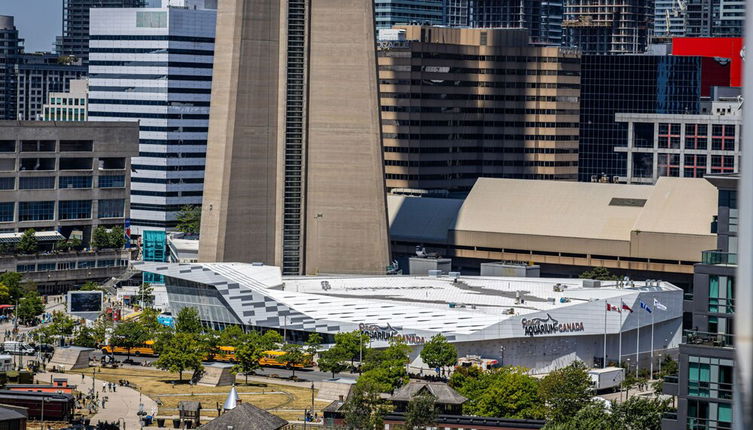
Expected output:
{"points": [[63, 180], [76, 15], [459, 104], [542, 18], [608, 26], [68, 106], [704, 386], [541, 324], [645, 232], [154, 65], [294, 139], [714, 18], [686, 146], [38, 75], [423, 12]]}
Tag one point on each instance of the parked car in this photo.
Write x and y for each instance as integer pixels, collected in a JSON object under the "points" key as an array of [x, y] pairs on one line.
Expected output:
{"points": [[20, 348]]}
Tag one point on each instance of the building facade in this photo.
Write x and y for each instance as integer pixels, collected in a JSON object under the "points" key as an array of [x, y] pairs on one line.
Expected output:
{"points": [[612, 84], [669, 18], [68, 106], [10, 49], [296, 156], [714, 18], [154, 65], [686, 146], [75, 39], [36, 76], [459, 104], [423, 12], [63, 180], [608, 26], [704, 386]]}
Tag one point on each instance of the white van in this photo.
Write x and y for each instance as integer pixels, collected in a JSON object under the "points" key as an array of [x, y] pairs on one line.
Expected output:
{"points": [[19, 348], [6, 363]]}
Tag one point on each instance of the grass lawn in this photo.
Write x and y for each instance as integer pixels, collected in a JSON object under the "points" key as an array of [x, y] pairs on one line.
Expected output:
{"points": [[285, 401]]}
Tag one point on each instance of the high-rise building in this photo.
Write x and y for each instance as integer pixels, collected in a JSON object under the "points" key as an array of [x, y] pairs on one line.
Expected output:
{"points": [[612, 84], [704, 385], [10, 49], [295, 148], [155, 65], [36, 76], [715, 18], [542, 18], [68, 106], [76, 14], [669, 18], [424, 12], [459, 104], [608, 26]]}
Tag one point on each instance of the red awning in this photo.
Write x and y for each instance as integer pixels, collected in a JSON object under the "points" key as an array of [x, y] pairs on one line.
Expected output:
{"points": [[6, 306]]}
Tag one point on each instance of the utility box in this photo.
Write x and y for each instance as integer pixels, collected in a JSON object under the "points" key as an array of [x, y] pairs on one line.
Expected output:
{"points": [[501, 268], [422, 266]]}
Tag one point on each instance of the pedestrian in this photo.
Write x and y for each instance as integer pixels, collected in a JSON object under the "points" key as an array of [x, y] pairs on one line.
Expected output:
{"points": [[104, 387], [82, 377]]}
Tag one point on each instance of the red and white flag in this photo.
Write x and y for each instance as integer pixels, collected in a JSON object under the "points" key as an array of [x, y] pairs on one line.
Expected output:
{"points": [[626, 307], [613, 308]]}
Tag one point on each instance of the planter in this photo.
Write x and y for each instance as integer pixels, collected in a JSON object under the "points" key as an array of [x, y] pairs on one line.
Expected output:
{"points": [[160, 422], [176, 424]]}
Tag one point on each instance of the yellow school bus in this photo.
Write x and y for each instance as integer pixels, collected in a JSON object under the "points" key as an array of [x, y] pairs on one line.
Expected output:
{"points": [[272, 358], [146, 349], [225, 353]]}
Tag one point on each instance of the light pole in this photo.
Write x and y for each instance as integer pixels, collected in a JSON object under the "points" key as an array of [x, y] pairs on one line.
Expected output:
{"points": [[312, 398]]}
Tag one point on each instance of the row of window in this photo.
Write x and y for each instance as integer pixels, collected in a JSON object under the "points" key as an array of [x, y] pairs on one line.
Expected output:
{"points": [[47, 145], [483, 84], [64, 182], [485, 97], [476, 70], [66, 210], [483, 110], [70, 265], [479, 136]]}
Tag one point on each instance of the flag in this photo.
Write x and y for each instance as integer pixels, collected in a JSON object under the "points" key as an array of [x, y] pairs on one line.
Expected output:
{"points": [[659, 306], [625, 307], [645, 307], [612, 308]]}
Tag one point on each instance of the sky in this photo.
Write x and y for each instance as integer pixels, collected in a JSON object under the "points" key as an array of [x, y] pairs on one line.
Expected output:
{"points": [[37, 21]]}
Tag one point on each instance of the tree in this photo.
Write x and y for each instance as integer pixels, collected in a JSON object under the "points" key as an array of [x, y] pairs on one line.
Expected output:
{"points": [[333, 360], [232, 336], [4, 294], [565, 391], [28, 243], [189, 219], [85, 337], [637, 413], [102, 238], [592, 416], [270, 340], [188, 321], [90, 286], [247, 355], [116, 237], [150, 323], [421, 412], [29, 307], [364, 409], [102, 327], [385, 369], [600, 274], [12, 280], [128, 335], [180, 352], [349, 342], [145, 295], [438, 353], [293, 357], [504, 392], [313, 343], [62, 325]]}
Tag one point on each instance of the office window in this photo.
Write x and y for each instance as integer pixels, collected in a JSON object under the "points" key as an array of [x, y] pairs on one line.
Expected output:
{"points": [[75, 182], [111, 181], [669, 136], [36, 211], [7, 183], [106, 263], [111, 208], [76, 145], [74, 209], [45, 267], [26, 268], [695, 136], [722, 164], [7, 146], [721, 294], [669, 165], [37, 183], [723, 137], [695, 166], [6, 211], [86, 264]]}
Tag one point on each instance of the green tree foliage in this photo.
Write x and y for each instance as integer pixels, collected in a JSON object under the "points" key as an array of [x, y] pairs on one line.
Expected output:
{"points": [[365, 409], [188, 321], [4, 295], [29, 307], [294, 356], [145, 295], [148, 320], [100, 330], [102, 238], [313, 343], [600, 274], [85, 337], [270, 340], [247, 354], [232, 336], [566, 391], [90, 286], [181, 351], [13, 281], [128, 335], [62, 325], [28, 243], [385, 369], [349, 342], [422, 412], [637, 413], [189, 219], [333, 360], [68, 244], [504, 392], [438, 353]]}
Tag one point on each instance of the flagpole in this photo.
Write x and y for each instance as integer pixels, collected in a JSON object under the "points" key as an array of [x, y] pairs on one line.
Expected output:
{"points": [[638, 346], [652, 344], [604, 361]]}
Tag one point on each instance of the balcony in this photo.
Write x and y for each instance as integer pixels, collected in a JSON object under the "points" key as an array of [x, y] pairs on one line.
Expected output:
{"points": [[717, 257], [669, 386], [717, 340]]}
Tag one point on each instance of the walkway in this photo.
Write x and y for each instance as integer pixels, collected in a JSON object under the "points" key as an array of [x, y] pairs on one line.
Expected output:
{"points": [[124, 403]]}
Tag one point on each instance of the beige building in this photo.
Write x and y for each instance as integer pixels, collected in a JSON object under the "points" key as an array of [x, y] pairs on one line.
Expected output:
{"points": [[70, 106], [566, 227], [463, 103], [294, 160]]}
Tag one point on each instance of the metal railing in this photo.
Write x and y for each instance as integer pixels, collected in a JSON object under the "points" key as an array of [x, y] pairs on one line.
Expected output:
{"points": [[720, 340], [718, 257]]}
